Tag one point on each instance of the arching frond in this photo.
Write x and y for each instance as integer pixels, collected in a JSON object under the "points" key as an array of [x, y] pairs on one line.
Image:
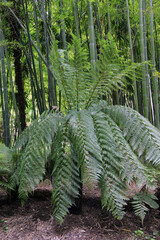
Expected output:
{"points": [[25, 135], [110, 73], [60, 67], [30, 167], [79, 83], [112, 185], [67, 180], [133, 168], [85, 143], [81, 78], [142, 136], [72, 73]]}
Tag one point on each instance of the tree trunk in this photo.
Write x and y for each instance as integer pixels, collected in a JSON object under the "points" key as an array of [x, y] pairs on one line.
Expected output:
{"points": [[17, 54]]}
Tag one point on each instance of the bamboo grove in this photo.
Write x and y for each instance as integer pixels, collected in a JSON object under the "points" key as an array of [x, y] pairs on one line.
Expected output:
{"points": [[27, 30], [66, 66]]}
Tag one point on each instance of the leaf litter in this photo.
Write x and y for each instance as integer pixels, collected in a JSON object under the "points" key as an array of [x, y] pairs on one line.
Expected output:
{"points": [[35, 221]]}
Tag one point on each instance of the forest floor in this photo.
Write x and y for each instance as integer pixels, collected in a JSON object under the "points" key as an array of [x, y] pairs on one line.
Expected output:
{"points": [[34, 221]]}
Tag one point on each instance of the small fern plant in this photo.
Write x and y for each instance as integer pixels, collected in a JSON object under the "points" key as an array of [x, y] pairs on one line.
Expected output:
{"points": [[112, 146]]}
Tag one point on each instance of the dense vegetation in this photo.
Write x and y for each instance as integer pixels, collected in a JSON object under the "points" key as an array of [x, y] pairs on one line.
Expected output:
{"points": [[66, 67]]}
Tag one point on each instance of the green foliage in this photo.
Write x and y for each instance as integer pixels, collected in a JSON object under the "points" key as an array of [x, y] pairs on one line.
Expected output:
{"points": [[111, 183], [141, 201], [30, 167], [5, 165], [139, 132], [67, 180], [82, 84], [140, 234], [71, 73]]}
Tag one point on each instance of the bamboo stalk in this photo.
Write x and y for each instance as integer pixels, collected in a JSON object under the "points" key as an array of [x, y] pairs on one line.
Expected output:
{"points": [[154, 77], [64, 42], [144, 87], [2, 104], [18, 124], [109, 18], [33, 43], [39, 101], [6, 115], [92, 42], [76, 20], [40, 61], [132, 57], [51, 85], [96, 12], [147, 76]]}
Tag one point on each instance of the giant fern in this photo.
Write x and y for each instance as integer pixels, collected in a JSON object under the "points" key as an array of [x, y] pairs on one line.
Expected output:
{"points": [[87, 143], [110, 145]]}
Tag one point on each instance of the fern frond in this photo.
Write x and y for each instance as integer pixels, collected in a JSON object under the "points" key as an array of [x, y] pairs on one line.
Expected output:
{"points": [[59, 68], [133, 168], [67, 176], [142, 136], [141, 201], [80, 75], [30, 167], [25, 135], [72, 73], [85, 143], [111, 72], [112, 186]]}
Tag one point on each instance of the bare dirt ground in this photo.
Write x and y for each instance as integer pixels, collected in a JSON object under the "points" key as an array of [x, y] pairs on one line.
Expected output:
{"points": [[34, 221]]}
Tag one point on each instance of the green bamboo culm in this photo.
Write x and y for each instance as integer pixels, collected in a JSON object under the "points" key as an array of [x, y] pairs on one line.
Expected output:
{"points": [[147, 74], [154, 77], [144, 85], [109, 19], [18, 124], [36, 48], [64, 42], [51, 80], [6, 115], [76, 20], [63, 39], [132, 57], [97, 16], [92, 41], [37, 88], [40, 61]]}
